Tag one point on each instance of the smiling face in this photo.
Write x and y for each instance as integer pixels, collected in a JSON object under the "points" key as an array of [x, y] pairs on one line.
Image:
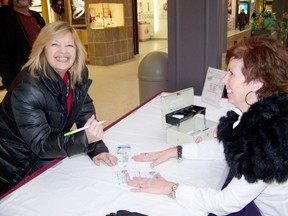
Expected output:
{"points": [[237, 88], [60, 53]]}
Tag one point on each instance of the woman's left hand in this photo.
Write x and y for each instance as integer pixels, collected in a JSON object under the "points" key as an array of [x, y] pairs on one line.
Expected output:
{"points": [[156, 157], [157, 185], [108, 158]]}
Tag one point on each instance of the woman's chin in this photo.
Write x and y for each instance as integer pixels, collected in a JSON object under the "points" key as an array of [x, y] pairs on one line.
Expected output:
{"points": [[230, 99]]}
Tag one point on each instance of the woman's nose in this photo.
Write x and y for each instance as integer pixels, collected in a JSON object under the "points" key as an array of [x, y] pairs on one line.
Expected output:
{"points": [[63, 49], [224, 79]]}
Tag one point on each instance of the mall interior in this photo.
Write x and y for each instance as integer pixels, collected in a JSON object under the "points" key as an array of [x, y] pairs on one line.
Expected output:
{"points": [[118, 34]]}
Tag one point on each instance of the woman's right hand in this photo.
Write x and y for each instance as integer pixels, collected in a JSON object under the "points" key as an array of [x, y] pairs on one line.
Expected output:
{"points": [[156, 157], [95, 132]]}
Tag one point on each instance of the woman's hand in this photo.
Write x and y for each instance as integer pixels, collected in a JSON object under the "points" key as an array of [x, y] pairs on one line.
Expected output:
{"points": [[95, 132], [157, 185], [108, 158], [156, 157]]}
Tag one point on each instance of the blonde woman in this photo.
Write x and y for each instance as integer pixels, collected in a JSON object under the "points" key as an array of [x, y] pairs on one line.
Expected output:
{"points": [[48, 96]]}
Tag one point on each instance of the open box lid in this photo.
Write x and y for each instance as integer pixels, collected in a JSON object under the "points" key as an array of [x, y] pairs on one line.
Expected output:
{"points": [[171, 102]]}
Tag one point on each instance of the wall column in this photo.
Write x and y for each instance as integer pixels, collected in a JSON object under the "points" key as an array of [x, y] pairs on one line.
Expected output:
{"points": [[197, 38]]}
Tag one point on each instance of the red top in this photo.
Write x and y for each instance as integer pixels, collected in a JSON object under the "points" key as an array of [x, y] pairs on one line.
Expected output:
{"points": [[30, 26]]}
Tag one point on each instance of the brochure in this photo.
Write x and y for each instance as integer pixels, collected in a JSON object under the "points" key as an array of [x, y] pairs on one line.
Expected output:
{"points": [[213, 88]]}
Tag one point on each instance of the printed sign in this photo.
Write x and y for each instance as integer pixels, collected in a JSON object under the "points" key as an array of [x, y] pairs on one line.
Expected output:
{"points": [[213, 88]]}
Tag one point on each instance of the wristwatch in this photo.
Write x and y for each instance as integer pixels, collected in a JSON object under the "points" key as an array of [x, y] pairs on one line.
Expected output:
{"points": [[179, 153], [172, 194]]}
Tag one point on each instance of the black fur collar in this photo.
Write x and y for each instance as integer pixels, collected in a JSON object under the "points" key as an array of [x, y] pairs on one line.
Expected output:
{"points": [[258, 147]]}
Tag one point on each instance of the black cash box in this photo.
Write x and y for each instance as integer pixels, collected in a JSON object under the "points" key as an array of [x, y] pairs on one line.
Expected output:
{"points": [[184, 121], [178, 116]]}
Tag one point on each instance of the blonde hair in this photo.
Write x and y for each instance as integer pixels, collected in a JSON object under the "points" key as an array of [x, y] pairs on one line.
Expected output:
{"points": [[37, 60]]}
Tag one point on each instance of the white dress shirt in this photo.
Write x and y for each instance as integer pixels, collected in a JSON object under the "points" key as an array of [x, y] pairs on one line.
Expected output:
{"points": [[271, 199]]}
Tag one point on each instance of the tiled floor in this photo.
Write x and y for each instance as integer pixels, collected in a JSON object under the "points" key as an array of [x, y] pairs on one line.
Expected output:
{"points": [[115, 88]]}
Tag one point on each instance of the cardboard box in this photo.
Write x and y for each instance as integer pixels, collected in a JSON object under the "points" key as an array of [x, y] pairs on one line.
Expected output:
{"points": [[185, 122]]}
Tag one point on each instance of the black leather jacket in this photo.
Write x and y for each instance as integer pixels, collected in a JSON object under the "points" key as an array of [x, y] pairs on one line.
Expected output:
{"points": [[14, 43], [33, 120]]}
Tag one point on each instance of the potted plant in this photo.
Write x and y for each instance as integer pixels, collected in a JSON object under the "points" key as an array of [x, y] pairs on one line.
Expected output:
{"points": [[265, 23], [283, 29]]}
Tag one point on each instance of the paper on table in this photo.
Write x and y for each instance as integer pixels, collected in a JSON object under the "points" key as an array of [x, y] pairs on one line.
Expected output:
{"points": [[123, 153], [125, 171]]}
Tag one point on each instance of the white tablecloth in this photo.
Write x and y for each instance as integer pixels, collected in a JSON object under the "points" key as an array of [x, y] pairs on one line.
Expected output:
{"points": [[75, 186]]}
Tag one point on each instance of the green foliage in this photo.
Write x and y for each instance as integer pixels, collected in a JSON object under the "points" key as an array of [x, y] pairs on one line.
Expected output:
{"points": [[264, 21], [283, 27], [57, 6]]}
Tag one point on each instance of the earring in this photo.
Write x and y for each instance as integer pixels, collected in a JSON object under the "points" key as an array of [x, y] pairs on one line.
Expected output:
{"points": [[247, 97]]}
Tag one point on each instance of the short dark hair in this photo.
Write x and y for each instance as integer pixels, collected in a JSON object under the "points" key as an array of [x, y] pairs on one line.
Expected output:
{"points": [[265, 59]]}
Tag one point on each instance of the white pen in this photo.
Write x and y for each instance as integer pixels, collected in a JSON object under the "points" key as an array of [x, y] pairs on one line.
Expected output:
{"points": [[81, 129]]}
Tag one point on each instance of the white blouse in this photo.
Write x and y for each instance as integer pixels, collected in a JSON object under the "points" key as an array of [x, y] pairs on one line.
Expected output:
{"points": [[271, 199]]}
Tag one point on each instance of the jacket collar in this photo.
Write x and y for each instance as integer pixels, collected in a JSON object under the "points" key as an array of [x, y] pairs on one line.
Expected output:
{"points": [[54, 82], [257, 147]]}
